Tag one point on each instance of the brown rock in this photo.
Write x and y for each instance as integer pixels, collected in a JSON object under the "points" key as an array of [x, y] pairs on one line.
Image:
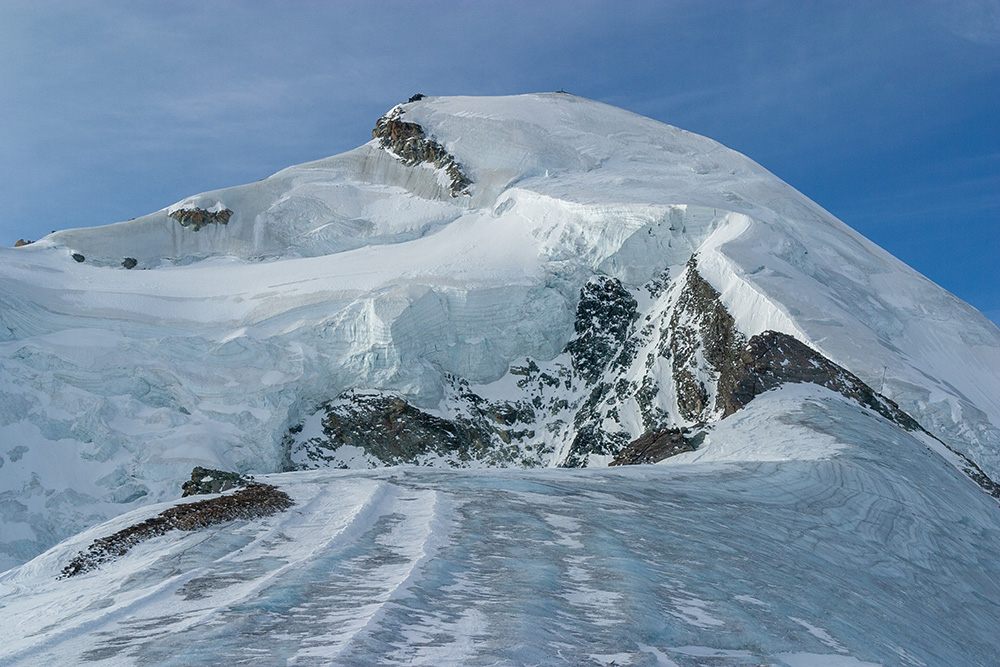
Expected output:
{"points": [[196, 218], [655, 446]]}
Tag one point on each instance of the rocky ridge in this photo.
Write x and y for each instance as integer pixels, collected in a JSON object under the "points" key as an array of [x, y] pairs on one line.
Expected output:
{"points": [[411, 145], [678, 363], [252, 501]]}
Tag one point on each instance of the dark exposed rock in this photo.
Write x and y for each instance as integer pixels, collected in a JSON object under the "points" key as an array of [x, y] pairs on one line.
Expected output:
{"points": [[700, 323], [416, 98], [577, 402], [21, 242], [656, 286], [591, 439], [78, 257], [710, 357], [408, 142], [206, 480], [251, 502], [652, 415], [772, 358], [129, 262], [391, 431], [196, 218], [975, 473], [654, 446], [604, 316]]}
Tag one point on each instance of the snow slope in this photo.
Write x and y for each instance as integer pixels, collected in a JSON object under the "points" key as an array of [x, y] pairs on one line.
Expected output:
{"points": [[808, 532], [360, 272]]}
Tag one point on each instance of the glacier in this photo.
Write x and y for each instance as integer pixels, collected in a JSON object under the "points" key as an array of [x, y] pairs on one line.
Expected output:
{"points": [[811, 534], [248, 340]]}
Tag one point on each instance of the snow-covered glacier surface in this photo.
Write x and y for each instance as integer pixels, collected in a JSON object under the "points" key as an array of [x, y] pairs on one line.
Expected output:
{"points": [[362, 272], [813, 534]]}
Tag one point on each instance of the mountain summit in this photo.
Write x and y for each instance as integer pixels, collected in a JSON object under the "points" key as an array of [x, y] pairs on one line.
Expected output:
{"points": [[535, 281]]}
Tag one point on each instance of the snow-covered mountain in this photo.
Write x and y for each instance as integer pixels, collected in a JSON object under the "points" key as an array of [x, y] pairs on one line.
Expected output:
{"points": [[536, 281]]}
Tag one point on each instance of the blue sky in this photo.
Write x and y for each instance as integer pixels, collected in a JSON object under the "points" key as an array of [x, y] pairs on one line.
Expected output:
{"points": [[885, 113]]}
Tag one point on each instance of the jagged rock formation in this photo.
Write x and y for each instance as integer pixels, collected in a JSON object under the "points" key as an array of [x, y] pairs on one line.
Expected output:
{"points": [[21, 242], [975, 473], [772, 359], [129, 262], [389, 430], [196, 218], [568, 411], [392, 430], [251, 502], [408, 142], [604, 317], [702, 332]]}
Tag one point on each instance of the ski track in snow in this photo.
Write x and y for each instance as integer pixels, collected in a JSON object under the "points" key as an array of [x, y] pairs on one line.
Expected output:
{"points": [[358, 272], [841, 561], [805, 532]]}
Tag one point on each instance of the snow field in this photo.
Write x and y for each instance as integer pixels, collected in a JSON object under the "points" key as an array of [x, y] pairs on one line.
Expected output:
{"points": [[805, 531], [836, 561]]}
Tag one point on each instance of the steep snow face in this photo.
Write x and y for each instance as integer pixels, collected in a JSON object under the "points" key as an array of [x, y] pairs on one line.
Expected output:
{"points": [[364, 272], [807, 532], [918, 344]]}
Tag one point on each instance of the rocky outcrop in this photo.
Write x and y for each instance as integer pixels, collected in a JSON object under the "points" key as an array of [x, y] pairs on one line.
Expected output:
{"points": [[703, 337], [196, 218], [714, 368], [975, 473], [251, 502], [408, 142], [604, 318], [581, 407], [601, 347], [702, 333], [655, 446], [772, 359], [391, 431], [206, 480], [77, 257], [21, 242]]}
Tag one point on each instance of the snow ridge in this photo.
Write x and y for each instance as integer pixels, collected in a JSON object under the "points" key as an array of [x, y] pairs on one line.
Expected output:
{"points": [[361, 273]]}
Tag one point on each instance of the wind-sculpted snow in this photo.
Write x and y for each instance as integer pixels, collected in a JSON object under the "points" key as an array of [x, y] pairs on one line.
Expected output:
{"points": [[864, 309], [831, 556], [360, 273]]}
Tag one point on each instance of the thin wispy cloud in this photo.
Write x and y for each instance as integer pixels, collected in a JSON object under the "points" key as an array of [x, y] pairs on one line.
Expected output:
{"points": [[977, 21]]}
